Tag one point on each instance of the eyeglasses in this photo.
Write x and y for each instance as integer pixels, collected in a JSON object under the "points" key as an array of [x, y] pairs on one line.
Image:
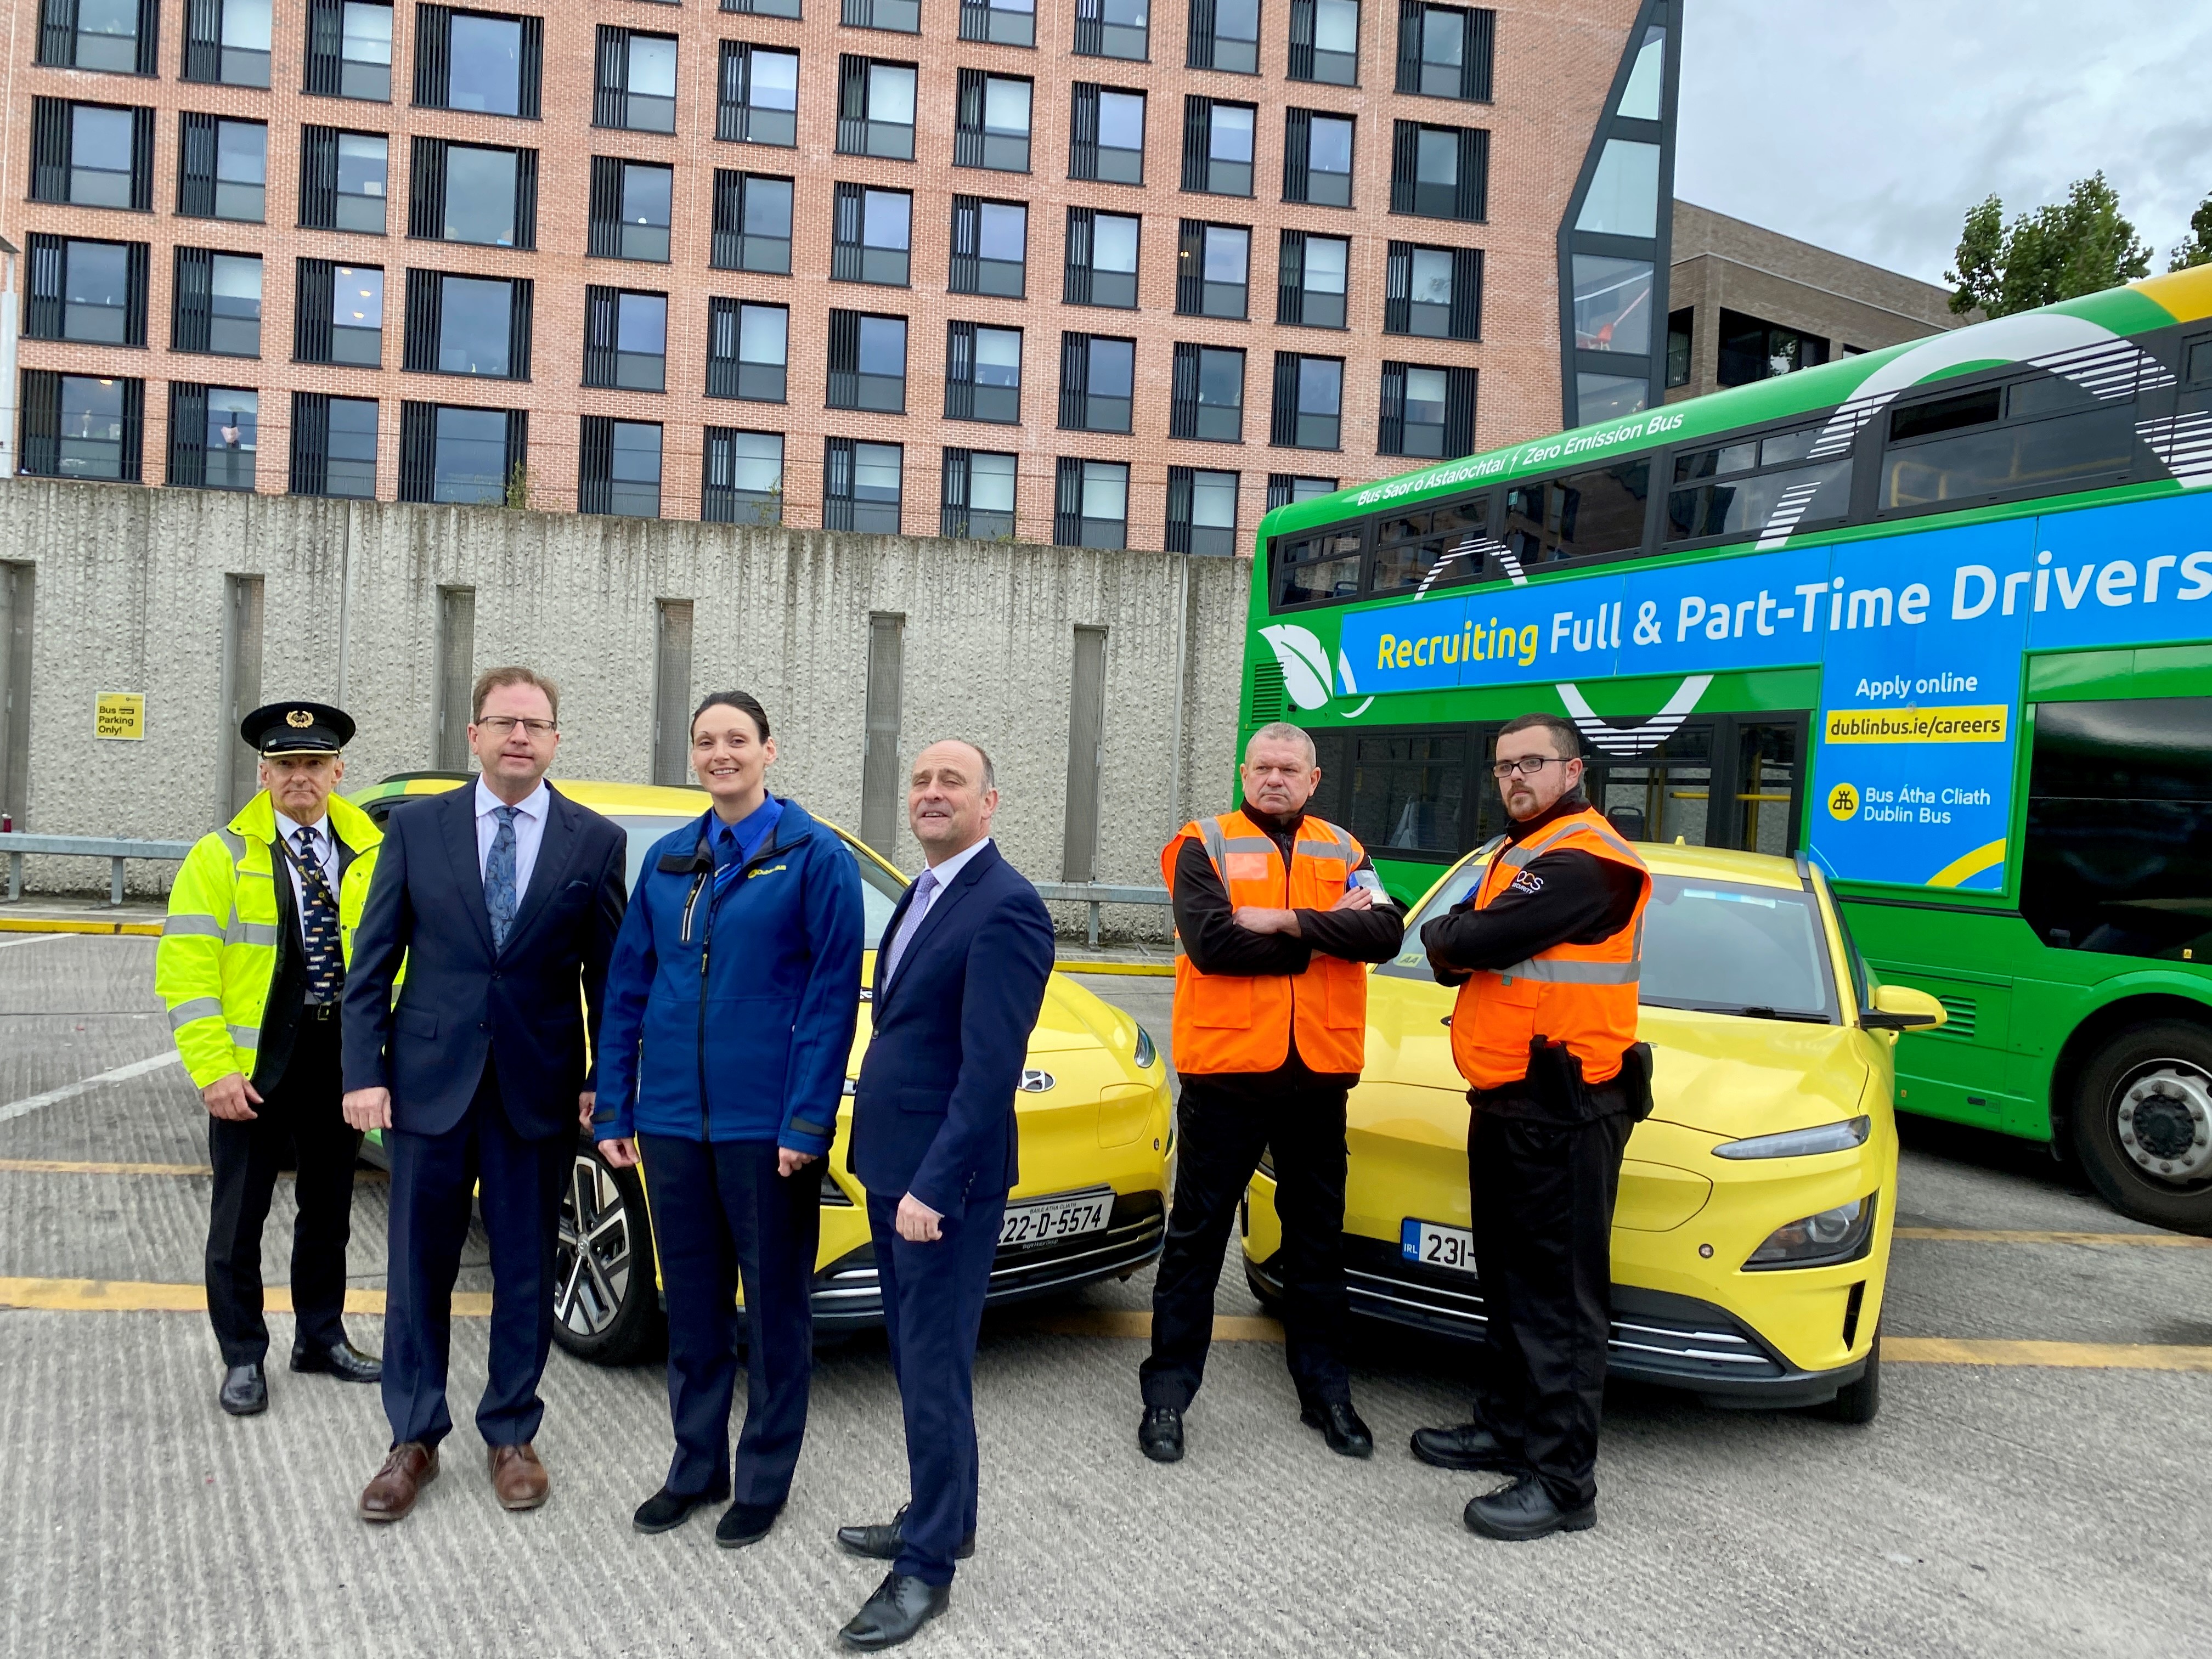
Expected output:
{"points": [[502, 726], [1528, 766]]}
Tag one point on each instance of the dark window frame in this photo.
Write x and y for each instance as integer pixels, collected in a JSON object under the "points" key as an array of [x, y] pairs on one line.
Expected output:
{"points": [[731, 245], [1079, 268], [964, 395], [732, 374], [727, 503], [433, 59], [309, 463], [1478, 52], [603, 353], [957, 516], [849, 254], [423, 341], [46, 287], [1291, 293], [736, 119]]}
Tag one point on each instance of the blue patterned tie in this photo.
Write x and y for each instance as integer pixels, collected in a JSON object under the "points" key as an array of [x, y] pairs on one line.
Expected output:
{"points": [[917, 911], [319, 925], [499, 878]]}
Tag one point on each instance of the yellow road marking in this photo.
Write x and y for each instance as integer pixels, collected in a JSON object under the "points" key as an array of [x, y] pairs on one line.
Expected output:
{"points": [[1159, 969], [126, 1296], [2012, 1236], [74, 1166], [2089, 1356], [58, 925]]}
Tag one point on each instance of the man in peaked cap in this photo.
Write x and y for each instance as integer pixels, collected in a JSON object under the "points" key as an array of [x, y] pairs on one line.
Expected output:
{"points": [[253, 964]]}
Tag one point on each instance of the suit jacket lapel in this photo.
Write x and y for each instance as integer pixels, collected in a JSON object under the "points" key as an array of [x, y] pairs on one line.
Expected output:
{"points": [[890, 932], [554, 846], [459, 835], [945, 902]]}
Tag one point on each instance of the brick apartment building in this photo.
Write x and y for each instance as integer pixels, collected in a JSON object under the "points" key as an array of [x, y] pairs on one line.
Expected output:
{"points": [[1073, 271]]}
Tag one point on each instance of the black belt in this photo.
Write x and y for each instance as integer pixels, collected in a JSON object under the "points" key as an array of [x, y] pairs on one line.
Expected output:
{"points": [[324, 1011]]}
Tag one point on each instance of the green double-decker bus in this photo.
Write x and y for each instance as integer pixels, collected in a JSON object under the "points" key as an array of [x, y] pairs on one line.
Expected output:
{"points": [[1937, 618]]}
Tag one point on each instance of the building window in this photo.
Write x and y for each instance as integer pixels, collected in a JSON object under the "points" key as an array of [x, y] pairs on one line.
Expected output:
{"points": [[1309, 279], [1624, 192], [860, 486], [990, 247], [752, 222], [1213, 269], [1679, 335], [91, 154], [900, 16], [764, 8], [215, 303], [468, 325], [119, 36], [872, 235], [1436, 292], [212, 436], [1316, 158], [343, 180], [349, 52], [227, 41], [618, 467], [1001, 23], [1753, 349], [1224, 35], [759, 101], [991, 122], [85, 290], [1098, 380], [473, 193], [1285, 488], [637, 85], [1091, 505], [1444, 52], [1217, 146], [1207, 394], [478, 61], [867, 363], [1325, 41], [467, 456], [741, 479], [1309, 401], [748, 350], [337, 316], [1106, 135], [975, 494], [875, 108], [1201, 511], [1613, 305], [78, 426], [982, 373], [1427, 412], [333, 445], [1102, 258], [626, 339], [630, 210], [1112, 28], [1440, 172], [222, 168]]}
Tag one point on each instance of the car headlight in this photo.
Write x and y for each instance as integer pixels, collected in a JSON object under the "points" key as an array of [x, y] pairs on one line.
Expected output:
{"points": [[1820, 1241], [1802, 1142], [1146, 1054]]}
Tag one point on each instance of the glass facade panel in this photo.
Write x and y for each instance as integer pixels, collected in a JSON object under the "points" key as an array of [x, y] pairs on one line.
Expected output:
{"points": [[1640, 99], [1113, 259], [1613, 305], [1623, 194], [998, 375], [363, 162], [480, 196], [472, 327], [1220, 394], [646, 194], [1336, 42], [1110, 385], [1237, 36], [95, 292], [1228, 151], [641, 342], [234, 314], [1602, 397], [1328, 162], [1327, 261], [486, 65], [1321, 402], [1424, 412], [100, 156], [1214, 512], [634, 487], [350, 463], [876, 487], [652, 88], [241, 170], [246, 42], [1105, 502], [469, 455], [91, 444], [233, 437], [1227, 268], [358, 315], [365, 52], [107, 35], [1121, 137]]}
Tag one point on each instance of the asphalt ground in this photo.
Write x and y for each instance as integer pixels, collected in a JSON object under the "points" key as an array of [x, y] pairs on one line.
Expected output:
{"points": [[2062, 1506]]}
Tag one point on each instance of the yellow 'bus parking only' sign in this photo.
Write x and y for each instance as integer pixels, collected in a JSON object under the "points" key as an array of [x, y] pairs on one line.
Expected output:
{"points": [[119, 715]]}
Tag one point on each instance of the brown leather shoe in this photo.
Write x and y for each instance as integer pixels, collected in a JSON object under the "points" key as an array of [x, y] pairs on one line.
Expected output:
{"points": [[408, 1467], [517, 1476]]}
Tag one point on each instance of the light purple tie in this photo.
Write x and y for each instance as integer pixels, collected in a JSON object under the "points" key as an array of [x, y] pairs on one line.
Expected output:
{"points": [[915, 911]]}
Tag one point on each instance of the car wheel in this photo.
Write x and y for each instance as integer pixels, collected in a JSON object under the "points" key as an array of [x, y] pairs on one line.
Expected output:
{"points": [[2142, 1124], [606, 1303], [1860, 1402]]}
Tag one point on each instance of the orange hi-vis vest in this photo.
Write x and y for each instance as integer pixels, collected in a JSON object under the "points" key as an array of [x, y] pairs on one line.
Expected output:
{"points": [[1581, 995], [1242, 1023]]}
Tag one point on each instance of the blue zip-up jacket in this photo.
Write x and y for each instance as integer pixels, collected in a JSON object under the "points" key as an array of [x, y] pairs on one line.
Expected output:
{"points": [[729, 1016]]}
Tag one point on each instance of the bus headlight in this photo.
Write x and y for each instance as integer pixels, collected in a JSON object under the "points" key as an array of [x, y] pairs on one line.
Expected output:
{"points": [[1844, 1137], [1842, 1234], [1146, 1054]]}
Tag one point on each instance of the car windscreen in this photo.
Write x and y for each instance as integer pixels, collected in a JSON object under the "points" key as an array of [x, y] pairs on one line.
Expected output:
{"points": [[879, 890], [1730, 947]]}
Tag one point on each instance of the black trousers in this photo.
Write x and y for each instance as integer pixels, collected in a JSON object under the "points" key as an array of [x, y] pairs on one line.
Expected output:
{"points": [[300, 1118], [1543, 1196], [1223, 1128], [722, 1216]]}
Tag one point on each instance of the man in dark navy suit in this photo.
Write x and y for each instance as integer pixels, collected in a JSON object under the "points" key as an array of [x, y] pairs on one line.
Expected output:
{"points": [[504, 899], [959, 981]]}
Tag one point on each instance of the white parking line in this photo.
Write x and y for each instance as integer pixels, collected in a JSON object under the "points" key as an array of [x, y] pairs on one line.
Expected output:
{"points": [[30, 1103], [36, 938]]}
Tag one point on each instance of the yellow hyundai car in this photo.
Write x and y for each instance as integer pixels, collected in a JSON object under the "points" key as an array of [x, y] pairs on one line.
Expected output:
{"points": [[1093, 1111], [1752, 1234]]}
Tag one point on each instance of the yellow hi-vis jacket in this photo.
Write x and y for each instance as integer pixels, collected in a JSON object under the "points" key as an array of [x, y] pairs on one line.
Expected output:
{"points": [[218, 950]]}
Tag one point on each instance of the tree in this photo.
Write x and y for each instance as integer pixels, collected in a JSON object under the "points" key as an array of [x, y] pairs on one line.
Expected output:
{"points": [[2197, 249], [2081, 245]]}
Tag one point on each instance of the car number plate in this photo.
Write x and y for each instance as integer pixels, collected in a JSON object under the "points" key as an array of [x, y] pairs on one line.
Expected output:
{"points": [[1449, 1248], [1047, 1221]]}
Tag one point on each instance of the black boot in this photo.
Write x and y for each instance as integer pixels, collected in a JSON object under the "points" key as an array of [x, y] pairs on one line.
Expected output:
{"points": [[1465, 1446], [1340, 1426], [1525, 1511]]}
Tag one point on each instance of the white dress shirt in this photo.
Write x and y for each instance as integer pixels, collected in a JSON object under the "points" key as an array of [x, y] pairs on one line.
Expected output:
{"points": [[529, 831], [946, 873], [325, 855]]}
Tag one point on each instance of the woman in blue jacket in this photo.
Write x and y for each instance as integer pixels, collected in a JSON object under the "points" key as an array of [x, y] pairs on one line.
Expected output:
{"points": [[727, 1026]]}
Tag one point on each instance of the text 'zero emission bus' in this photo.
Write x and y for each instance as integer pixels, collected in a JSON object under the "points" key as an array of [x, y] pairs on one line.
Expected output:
{"points": [[1938, 616]]}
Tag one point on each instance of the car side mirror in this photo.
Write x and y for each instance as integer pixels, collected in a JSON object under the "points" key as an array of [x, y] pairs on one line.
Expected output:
{"points": [[1901, 1008]]}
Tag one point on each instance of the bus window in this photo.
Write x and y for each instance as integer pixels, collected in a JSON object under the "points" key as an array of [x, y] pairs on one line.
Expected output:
{"points": [[1585, 516], [1662, 794], [2034, 436], [1432, 548], [2118, 857], [2200, 361], [1733, 781], [1748, 501], [1316, 570], [1408, 792]]}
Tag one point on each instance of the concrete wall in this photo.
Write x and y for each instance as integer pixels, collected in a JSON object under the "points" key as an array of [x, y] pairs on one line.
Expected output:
{"points": [[130, 590]]}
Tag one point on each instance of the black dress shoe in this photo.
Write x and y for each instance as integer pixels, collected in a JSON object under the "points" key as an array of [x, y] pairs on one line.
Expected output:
{"points": [[1525, 1510], [1464, 1446], [1159, 1436], [244, 1390], [885, 1543], [341, 1359], [1340, 1426], [902, 1605], [745, 1523], [667, 1509]]}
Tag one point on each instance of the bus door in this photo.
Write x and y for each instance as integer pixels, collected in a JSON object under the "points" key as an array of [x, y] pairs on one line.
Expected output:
{"points": [[1733, 781]]}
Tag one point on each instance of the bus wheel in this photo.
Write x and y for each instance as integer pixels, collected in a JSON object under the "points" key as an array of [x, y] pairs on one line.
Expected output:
{"points": [[2142, 1124], [606, 1298]]}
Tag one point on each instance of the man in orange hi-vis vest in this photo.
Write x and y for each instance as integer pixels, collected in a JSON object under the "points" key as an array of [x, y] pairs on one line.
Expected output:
{"points": [[1546, 952], [1277, 915]]}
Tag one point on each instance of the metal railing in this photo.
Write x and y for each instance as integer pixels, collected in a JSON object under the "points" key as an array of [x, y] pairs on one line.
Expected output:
{"points": [[115, 849], [1094, 895]]}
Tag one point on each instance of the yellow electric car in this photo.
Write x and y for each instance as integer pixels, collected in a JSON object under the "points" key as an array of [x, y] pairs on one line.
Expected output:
{"points": [[1753, 1230], [1093, 1111]]}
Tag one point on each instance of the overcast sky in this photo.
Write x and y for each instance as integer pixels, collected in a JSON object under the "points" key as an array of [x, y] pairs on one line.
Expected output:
{"points": [[1871, 127]]}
